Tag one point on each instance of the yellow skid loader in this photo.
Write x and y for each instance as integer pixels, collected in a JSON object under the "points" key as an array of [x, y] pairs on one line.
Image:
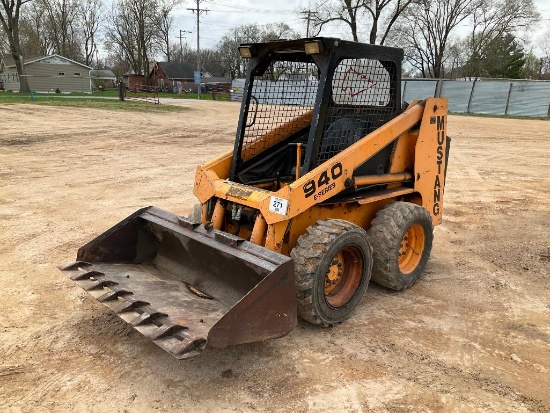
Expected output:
{"points": [[331, 179]]}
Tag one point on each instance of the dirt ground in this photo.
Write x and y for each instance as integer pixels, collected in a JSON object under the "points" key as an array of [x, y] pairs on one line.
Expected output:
{"points": [[473, 335]]}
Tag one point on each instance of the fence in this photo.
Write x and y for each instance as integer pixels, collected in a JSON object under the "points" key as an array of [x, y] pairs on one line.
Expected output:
{"points": [[141, 93], [491, 97]]}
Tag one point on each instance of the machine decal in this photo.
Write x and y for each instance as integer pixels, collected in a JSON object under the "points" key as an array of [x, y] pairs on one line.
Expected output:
{"points": [[356, 82], [361, 82], [278, 205], [238, 192], [324, 191], [324, 179], [439, 178]]}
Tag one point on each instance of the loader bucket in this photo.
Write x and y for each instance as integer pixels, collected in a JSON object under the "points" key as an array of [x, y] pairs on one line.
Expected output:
{"points": [[185, 287]]}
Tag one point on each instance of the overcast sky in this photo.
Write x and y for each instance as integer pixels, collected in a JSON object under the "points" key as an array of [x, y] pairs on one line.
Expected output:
{"points": [[224, 15]]}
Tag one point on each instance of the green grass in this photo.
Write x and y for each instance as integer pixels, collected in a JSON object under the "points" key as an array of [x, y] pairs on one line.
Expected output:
{"points": [[87, 102], [114, 93]]}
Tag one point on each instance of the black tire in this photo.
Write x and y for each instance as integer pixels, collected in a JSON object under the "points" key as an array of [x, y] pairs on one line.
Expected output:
{"points": [[333, 263], [401, 236]]}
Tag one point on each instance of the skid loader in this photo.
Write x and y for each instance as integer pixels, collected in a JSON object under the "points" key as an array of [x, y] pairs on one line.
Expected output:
{"points": [[331, 179]]}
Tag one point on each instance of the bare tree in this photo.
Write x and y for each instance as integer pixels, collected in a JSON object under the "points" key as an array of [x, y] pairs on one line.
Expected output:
{"points": [[68, 28], [384, 12], [36, 39], [231, 63], [455, 60], [118, 64], [185, 53], [379, 15], [90, 13], [4, 45], [132, 32], [544, 44], [165, 24], [346, 12], [211, 62], [425, 30], [9, 18], [139, 29], [62, 25], [532, 68]]}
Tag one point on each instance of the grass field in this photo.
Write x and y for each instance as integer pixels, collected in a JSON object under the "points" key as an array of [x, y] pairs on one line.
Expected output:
{"points": [[92, 102], [109, 93]]}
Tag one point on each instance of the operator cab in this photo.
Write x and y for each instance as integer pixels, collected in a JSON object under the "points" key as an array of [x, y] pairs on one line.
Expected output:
{"points": [[306, 100]]}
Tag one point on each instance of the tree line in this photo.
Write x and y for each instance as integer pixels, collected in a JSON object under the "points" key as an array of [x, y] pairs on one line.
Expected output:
{"points": [[441, 38]]}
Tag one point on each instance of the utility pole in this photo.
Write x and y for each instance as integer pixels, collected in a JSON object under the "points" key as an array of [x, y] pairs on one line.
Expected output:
{"points": [[309, 14], [198, 12], [181, 36]]}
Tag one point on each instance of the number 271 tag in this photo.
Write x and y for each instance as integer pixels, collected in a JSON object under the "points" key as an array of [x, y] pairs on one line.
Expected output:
{"points": [[278, 205]]}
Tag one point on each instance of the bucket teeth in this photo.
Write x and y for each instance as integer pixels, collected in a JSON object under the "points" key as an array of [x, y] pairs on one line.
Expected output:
{"points": [[113, 294], [98, 284], [86, 275], [187, 223], [186, 346], [129, 304], [166, 330], [185, 287], [146, 317], [74, 265], [172, 334]]}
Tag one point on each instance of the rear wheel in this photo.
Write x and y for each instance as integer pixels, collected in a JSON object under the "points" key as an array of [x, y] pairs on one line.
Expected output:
{"points": [[401, 235], [333, 261]]}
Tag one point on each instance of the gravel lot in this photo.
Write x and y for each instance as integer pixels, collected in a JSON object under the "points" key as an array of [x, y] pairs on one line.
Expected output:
{"points": [[473, 335]]}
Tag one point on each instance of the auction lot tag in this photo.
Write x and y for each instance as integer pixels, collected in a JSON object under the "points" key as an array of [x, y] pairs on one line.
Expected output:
{"points": [[278, 205]]}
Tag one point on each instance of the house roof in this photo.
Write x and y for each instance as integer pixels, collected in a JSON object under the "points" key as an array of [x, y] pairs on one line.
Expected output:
{"points": [[102, 74], [9, 62], [7, 58], [53, 57], [212, 79], [177, 70]]}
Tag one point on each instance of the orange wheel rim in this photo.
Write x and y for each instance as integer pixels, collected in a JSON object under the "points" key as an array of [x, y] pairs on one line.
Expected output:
{"points": [[412, 247], [343, 276]]}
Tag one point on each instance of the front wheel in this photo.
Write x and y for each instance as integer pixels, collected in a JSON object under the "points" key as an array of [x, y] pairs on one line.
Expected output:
{"points": [[402, 236], [333, 261]]}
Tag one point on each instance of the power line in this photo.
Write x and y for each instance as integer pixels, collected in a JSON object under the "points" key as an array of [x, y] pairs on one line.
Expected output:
{"points": [[198, 11], [182, 32], [251, 10], [309, 14]]}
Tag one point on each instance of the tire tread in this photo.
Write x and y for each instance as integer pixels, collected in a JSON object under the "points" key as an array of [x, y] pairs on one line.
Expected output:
{"points": [[307, 254], [386, 232]]}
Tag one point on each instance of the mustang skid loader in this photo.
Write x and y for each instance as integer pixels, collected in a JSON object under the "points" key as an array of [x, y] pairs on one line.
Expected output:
{"points": [[329, 180]]}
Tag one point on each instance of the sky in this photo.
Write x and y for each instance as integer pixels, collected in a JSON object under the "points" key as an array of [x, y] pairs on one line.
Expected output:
{"points": [[224, 15]]}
